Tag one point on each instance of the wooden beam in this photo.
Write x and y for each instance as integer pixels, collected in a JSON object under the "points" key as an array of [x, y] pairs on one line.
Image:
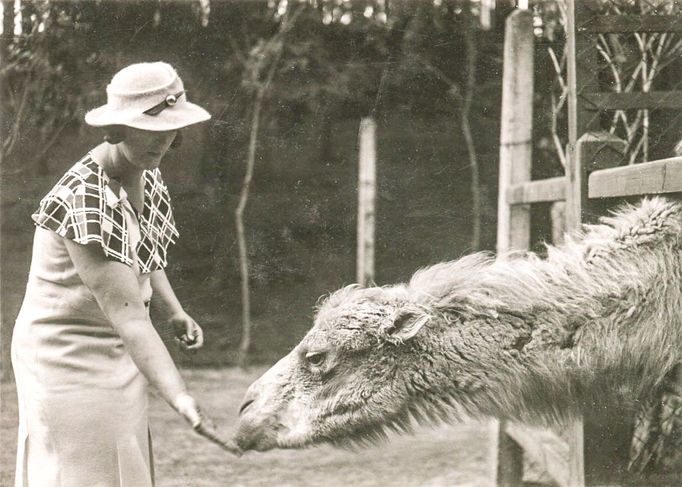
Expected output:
{"points": [[582, 77], [509, 467], [602, 24], [513, 221], [638, 100], [576, 453], [656, 177], [582, 72], [544, 190], [516, 127], [545, 448]]}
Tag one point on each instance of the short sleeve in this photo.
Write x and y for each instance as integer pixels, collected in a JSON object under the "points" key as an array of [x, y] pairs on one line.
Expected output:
{"points": [[76, 209], [55, 212]]}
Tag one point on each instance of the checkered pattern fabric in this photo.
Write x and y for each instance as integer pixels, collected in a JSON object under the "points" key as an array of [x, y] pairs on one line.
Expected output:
{"points": [[84, 206]]}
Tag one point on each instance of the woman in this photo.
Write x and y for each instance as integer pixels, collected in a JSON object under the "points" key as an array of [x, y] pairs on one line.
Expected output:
{"points": [[84, 347]]}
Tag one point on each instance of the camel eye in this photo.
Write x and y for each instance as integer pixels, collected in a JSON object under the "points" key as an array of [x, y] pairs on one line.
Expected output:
{"points": [[315, 358]]}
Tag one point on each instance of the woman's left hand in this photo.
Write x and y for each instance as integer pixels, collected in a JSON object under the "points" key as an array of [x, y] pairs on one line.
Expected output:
{"points": [[187, 332]]}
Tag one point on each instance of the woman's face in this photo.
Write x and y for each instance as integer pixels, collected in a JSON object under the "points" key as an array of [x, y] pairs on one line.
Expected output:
{"points": [[145, 148]]}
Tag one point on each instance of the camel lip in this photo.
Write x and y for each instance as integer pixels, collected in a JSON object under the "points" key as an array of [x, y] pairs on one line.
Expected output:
{"points": [[253, 437], [247, 444]]}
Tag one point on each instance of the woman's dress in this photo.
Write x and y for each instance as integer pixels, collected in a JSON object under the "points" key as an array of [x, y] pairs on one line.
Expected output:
{"points": [[82, 400]]}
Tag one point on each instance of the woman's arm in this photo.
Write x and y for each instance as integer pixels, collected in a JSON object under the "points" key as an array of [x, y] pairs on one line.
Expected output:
{"points": [[117, 291], [164, 301]]}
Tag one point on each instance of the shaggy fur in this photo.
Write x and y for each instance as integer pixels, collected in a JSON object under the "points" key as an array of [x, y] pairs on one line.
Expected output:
{"points": [[592, 329]]}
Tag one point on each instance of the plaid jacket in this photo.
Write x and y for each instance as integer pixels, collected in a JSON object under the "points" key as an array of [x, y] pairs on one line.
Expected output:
{"points": [[84, 206]]}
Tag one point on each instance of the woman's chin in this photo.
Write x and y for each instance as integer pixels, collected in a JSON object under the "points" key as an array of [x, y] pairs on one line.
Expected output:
{"points": [[150, 161]]}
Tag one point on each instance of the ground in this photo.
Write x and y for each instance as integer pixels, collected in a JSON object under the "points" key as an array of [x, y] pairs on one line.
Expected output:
{"points": [[445, 456]]}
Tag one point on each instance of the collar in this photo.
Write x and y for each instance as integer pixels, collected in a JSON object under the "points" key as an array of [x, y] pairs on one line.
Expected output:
{"points": [[114, 193]]}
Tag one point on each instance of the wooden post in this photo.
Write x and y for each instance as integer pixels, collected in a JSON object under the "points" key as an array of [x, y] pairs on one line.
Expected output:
{"points": [[576, 453], [582, 77], [507, 456], [366, 201], [513, 221], [574, 198], [593, 151], [557, 215], [486, 15], [576, 188]]}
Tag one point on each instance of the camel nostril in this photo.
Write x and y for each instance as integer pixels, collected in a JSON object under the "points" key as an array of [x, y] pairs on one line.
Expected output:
{"points": [[245, 406]]}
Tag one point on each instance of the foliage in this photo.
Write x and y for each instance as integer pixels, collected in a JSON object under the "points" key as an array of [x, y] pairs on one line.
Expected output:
{"points": [[629, 63], [43, 89]]}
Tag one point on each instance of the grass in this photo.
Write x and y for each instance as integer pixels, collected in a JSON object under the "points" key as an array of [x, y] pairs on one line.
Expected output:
{"points": [[444, 456]]}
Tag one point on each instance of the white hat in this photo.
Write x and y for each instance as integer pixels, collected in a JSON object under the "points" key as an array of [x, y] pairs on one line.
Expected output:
{"points": [[148, 96]]}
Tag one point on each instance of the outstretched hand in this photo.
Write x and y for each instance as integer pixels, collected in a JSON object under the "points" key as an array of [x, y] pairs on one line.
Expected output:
{"points": [[187, 407]]}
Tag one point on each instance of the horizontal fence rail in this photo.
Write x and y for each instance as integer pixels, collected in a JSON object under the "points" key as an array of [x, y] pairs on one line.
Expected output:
{"points": [[540, 191], [612, 24], [655, 177], [643, 100]]}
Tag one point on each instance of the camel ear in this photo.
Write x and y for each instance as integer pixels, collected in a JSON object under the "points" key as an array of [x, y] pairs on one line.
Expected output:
{"points": [[405, 325]]}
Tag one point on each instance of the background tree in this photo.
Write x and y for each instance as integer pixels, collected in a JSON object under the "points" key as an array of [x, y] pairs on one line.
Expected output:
{"points": [[259, 69], [443, 43], [40, 95]]}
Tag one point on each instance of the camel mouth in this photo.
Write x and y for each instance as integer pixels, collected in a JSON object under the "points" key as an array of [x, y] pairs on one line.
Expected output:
{"points": [[255, 434], [259, 443]]}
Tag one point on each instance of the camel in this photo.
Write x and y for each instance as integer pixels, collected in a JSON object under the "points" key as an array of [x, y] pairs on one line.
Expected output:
{"points": [[593, 329]]}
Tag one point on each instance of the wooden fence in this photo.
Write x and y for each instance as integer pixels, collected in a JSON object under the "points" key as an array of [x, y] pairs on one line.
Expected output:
{"points": [[593, 173]]}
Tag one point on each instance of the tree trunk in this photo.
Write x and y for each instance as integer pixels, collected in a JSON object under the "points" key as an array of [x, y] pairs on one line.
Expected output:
{"points": [[262, 89], [472, 61], [245, 343]]}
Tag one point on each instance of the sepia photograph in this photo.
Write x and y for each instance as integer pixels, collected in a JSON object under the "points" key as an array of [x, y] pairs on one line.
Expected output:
{"points": [[340, 243]]}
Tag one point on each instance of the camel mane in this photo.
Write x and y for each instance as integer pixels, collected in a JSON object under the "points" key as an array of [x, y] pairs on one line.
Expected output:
{"points": [[604, 260]]}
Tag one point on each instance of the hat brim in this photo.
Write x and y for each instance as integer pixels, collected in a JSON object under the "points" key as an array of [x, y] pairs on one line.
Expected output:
{"points": [[172, 118]]}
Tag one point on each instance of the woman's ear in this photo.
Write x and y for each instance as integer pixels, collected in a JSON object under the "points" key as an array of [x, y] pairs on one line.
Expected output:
{"points": [[114, 134]]}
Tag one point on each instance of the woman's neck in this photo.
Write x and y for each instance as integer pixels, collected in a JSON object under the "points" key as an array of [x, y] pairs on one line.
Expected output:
{"points": [[116, 166]]}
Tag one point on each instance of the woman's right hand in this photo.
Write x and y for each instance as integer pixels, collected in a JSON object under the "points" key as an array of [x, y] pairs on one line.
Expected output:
{"points": [[189, 409]]}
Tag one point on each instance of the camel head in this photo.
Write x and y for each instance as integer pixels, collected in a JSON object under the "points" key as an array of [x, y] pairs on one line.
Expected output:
{"points": [[342, 382], [378, 358]]}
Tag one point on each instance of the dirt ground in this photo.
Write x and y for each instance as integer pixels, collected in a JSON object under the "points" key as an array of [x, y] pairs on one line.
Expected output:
{"points": [[445, 456]]}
